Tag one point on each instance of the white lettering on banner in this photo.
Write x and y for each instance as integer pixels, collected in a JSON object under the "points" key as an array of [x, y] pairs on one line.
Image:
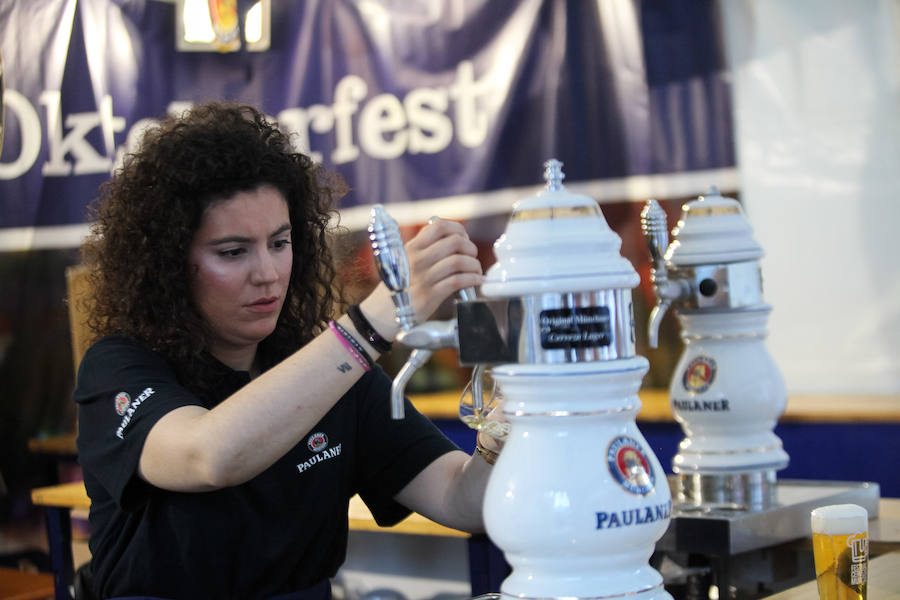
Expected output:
{"points": [[299, 121], [430, 129], [386, 126], [382, 127], [471, 124], [87, 159], [126, 419], [349, 91], [30, 126]]}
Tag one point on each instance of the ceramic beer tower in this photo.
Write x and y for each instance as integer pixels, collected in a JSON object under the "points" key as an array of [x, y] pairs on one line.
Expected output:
{"points": [[577, 499], [726, 392]]}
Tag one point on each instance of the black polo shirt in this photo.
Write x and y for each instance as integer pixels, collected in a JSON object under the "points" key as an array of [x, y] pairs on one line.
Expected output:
{"points": [[281, 532]]}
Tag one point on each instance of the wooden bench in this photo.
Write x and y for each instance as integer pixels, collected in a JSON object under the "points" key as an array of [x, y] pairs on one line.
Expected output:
{"points": [[21, 585]]}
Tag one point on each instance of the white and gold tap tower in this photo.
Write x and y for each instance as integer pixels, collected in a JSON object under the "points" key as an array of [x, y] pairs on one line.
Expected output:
{"points": [[577, 499], [726, 392]]}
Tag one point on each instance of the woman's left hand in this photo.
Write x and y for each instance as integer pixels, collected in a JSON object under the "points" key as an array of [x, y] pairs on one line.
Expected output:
{"points": [[442, 260]]}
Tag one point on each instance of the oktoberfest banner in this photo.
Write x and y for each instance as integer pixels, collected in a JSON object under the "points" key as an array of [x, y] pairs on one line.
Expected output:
{"points": [[452, 106]]}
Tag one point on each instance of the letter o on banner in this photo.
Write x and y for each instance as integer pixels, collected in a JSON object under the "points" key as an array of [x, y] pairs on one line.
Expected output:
{"points": [[31, 135]]}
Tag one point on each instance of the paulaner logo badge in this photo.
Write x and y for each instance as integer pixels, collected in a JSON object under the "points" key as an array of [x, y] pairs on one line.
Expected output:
{"points": [[317, 442], [699, 374], [123, 400], [129, 409], [321, 455], [629, 466]]}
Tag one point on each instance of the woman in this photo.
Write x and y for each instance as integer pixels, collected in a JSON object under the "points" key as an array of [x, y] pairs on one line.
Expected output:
{"points": [[224, 419]]}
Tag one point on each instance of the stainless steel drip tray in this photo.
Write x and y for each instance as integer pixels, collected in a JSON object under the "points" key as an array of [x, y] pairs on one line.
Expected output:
{"points": [[728, 532]]}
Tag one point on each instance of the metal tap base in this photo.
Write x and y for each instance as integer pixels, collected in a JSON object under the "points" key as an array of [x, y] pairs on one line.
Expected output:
{"points": [[654, 593], [755, 490], [724, 532]]}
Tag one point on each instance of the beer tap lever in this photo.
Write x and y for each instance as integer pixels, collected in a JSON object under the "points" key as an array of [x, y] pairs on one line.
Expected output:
{"points": [[392, 263], [393, 268], [653, 224]]}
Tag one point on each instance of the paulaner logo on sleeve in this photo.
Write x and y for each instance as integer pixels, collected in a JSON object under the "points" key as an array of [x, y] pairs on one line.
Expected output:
{"points": [[123, 401], [128, 407]]}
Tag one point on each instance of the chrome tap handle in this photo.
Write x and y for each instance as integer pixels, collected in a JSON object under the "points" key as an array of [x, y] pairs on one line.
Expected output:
{"points": [[467, 294], [653, 224], [392, 263]]}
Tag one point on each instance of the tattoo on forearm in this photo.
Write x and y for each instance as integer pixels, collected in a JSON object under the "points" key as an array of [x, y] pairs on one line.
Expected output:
{"points": [[344, 367]]}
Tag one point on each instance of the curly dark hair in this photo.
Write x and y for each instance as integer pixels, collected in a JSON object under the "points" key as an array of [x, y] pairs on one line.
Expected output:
{"points": [[147, 214]]}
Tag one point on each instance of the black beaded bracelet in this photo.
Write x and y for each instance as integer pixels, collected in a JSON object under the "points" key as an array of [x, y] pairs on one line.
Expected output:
{"points": [[366, 330]]}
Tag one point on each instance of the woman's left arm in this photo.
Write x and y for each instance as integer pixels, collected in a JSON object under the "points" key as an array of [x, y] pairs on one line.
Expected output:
{"points": [[450, 491]]}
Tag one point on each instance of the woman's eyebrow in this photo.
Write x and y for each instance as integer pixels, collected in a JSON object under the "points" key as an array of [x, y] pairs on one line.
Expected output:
{"points": [[231, 239], [282, 229], [240, 239]]}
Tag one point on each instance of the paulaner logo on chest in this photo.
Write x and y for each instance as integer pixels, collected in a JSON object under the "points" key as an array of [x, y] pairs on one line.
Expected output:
{"points": [[318, 443]]}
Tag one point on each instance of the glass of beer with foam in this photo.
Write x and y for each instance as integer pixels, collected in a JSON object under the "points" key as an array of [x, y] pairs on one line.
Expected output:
{"points": [[840, 535]]}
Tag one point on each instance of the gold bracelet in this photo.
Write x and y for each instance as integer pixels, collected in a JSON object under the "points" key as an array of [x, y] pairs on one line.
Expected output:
{"points": [[489, 456]]}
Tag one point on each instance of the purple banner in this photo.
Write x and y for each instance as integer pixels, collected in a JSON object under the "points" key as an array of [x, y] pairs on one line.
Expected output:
{"points": [[409, 101]]}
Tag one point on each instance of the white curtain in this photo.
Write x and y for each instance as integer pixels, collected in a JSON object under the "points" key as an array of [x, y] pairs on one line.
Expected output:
{"points": [[817, 114]]}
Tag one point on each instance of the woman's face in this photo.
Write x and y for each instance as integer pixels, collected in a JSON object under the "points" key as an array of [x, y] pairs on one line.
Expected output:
{"points": [[241, 261]]}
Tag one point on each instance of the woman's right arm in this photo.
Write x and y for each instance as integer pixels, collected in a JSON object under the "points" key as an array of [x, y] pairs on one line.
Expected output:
{"points": [[194, 449]]}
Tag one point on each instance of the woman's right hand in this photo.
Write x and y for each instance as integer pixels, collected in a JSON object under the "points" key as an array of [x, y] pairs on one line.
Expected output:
{"points": [[442, 260]]}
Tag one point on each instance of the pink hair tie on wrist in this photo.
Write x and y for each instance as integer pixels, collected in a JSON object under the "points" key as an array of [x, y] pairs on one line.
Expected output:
{"points": [[348, 345]]}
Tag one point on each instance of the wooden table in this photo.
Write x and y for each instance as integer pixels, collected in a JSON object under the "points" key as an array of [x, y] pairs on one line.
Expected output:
{"points": [[59, 500], [19, 585], [73, 495], [655, 408]]}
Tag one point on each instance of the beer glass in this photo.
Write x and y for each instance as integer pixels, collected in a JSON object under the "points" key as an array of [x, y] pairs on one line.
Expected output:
{"points": [[840, 535], [488, 418]]}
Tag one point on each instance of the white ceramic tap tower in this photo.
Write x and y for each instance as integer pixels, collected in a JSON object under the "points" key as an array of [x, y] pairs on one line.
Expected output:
{"points": [[577, 499], [726, 392]]}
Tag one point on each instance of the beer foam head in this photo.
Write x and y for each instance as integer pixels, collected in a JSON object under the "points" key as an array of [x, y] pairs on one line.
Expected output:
{"points": [[839, 519]]}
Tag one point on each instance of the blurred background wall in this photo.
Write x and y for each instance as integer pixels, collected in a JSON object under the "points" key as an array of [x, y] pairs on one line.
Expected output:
{"points": [[430, 107], [816, 88]]}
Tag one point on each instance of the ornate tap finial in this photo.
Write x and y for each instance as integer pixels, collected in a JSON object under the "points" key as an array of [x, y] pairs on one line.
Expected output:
{"points": [[554, 175]]}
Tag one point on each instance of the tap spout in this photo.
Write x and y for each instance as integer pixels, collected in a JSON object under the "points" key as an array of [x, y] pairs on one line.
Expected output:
{"points": [[478, 390], [416, 360], [656, 315]]}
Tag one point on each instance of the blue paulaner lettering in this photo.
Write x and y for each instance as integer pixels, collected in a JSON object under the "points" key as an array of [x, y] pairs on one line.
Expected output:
{"points": [[634, 516], [662, 510]]}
